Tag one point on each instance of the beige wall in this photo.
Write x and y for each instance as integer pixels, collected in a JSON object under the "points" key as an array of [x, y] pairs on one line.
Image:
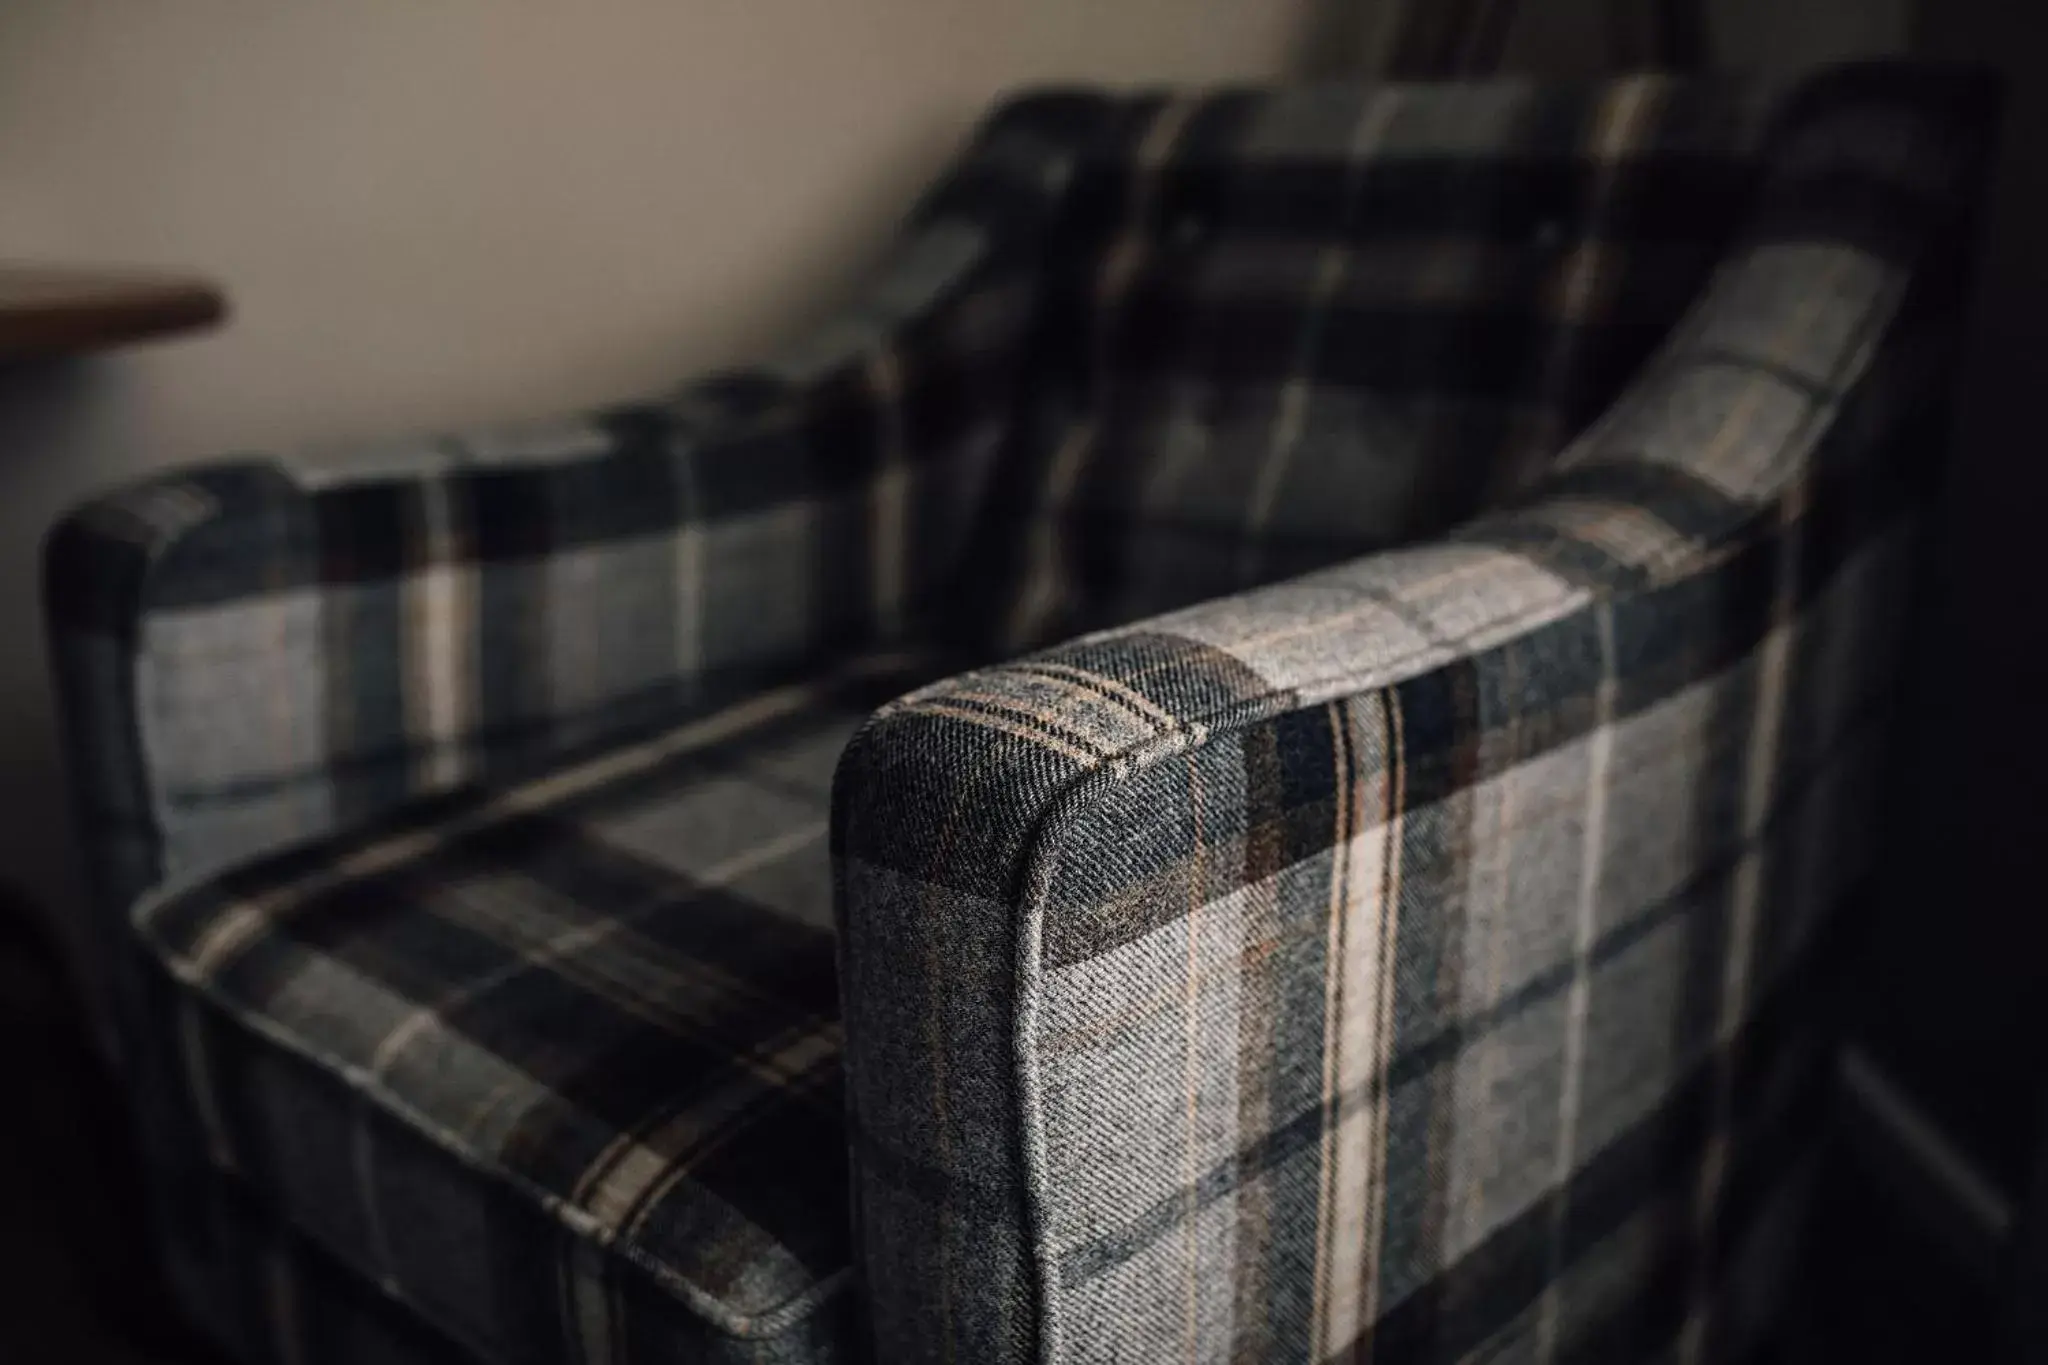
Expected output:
{"points": [[442, 211]]}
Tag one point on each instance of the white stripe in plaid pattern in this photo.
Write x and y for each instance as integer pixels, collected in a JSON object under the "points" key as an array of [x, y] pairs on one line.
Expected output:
{"points": [[1625, 110], [429, 460], [1770, 463], [1359, 1022], [151, 516], [436, 599], [542, 939], [1631, 535], [1759, 788], [1592, 862], [1086, 757], [1073, 713], [261, 661], [690, 587], [321, 466], [546, 441], [591, 1308], [1192, 1076], [1367, 617]]}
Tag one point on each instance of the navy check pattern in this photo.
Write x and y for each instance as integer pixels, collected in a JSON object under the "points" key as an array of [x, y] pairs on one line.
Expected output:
{"points": [[1389, 913]]}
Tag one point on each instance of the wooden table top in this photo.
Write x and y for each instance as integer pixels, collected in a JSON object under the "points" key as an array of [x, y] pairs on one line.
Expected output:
{"points": [[55, 310]]}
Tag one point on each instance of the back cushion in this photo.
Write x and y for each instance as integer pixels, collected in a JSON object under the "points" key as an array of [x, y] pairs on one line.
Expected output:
{"points": [[1283, 329]]}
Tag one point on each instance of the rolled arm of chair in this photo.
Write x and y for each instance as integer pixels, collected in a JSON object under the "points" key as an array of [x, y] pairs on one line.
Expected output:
{"points": [[265, 648], [1237, 975]]}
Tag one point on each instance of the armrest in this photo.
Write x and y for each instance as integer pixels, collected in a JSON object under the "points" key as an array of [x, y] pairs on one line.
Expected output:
{"points": [[262, 649], [1372, 954]]}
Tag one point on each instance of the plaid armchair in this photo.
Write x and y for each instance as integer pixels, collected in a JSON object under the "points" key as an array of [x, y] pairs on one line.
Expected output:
{"points": [[1400, 586]]}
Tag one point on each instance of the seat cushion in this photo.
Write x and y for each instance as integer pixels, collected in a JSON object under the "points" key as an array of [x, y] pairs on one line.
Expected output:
{"points": [[268, 1294], [556, 1064]]}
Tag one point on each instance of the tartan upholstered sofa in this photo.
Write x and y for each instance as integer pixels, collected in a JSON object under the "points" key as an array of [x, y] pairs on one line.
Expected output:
{"points": [[1390, 597]]}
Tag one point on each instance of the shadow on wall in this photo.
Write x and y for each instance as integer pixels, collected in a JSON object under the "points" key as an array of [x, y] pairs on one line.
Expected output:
{"points": [[46, 411]]}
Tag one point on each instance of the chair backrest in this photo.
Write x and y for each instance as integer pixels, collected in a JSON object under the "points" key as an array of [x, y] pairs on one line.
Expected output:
{"points": [[1284, 328]]}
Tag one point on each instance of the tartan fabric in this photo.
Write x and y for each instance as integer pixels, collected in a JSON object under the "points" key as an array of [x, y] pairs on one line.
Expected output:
{"points": [[1288, 328], [1426, 959], [273, 1296], [1422, 958], [555, 1064], [266, 649]]}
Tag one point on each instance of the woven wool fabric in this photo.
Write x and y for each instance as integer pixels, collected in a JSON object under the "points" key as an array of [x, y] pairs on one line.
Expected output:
{"points": [[268, 649], [1286, 329], [1413, 945], [557, 1065], [1424, 959]]}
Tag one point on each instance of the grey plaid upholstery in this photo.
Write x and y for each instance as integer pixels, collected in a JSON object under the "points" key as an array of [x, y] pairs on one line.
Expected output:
{"points": [[556, 1064], [1423, 959], [1402, 930]]}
